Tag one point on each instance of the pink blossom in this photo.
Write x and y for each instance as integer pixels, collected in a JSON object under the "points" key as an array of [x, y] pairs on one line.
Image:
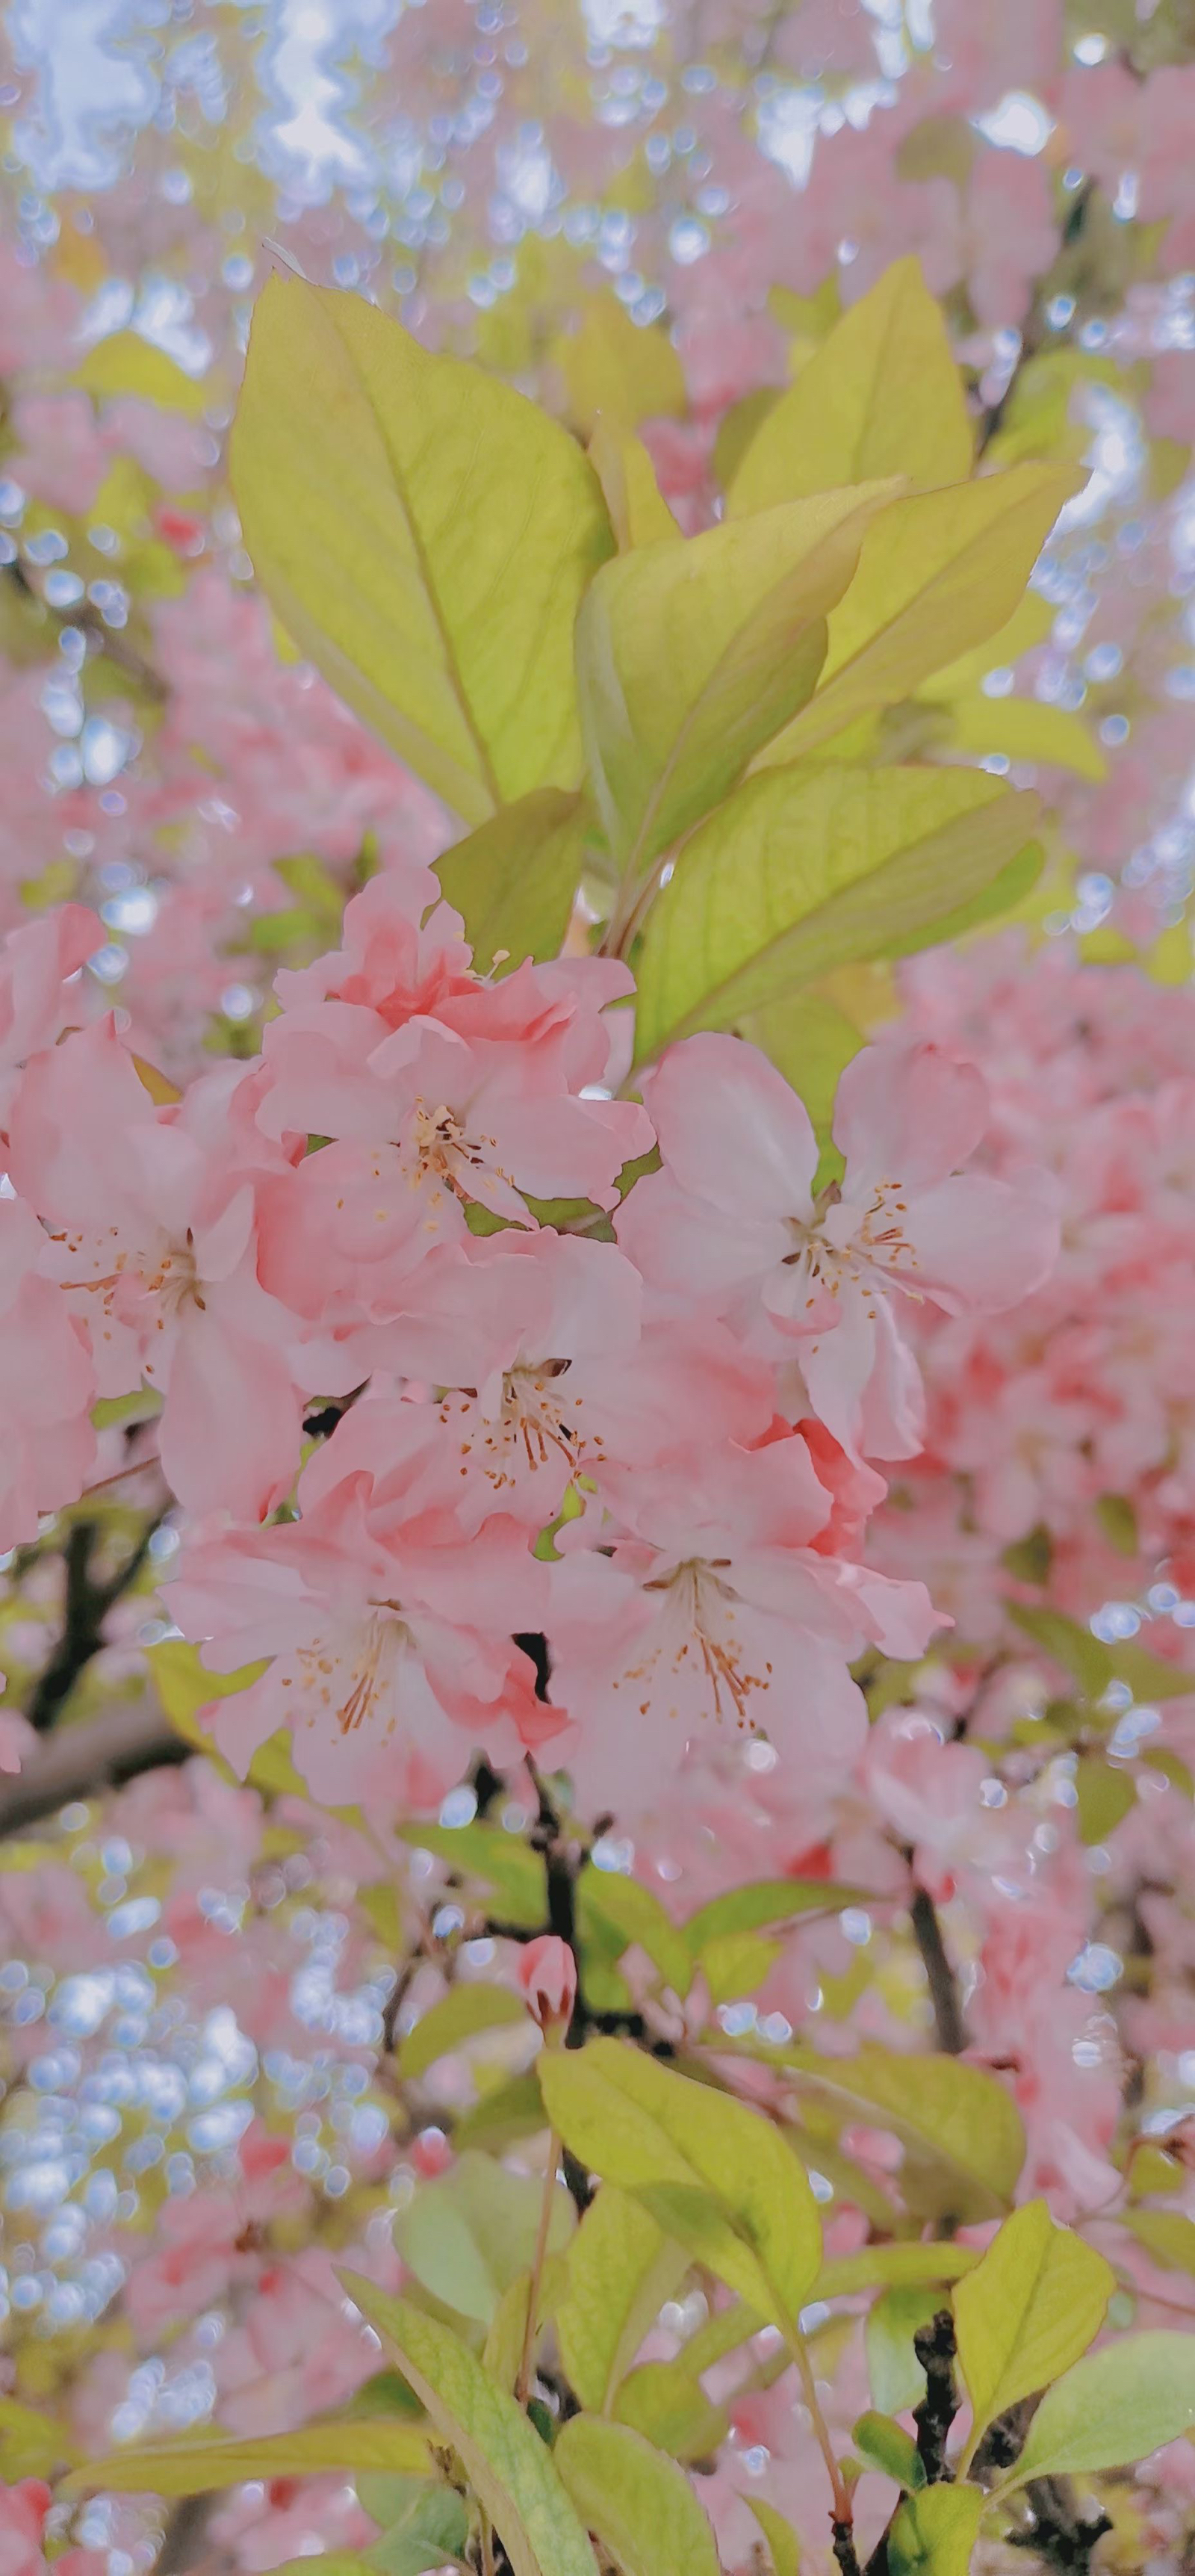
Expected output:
{"points": [[547, 1973], [47, 1385]]}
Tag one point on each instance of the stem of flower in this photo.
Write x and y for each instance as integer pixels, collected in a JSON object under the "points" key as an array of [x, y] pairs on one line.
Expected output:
{"points": [[523, 2382], [843, 2509]]}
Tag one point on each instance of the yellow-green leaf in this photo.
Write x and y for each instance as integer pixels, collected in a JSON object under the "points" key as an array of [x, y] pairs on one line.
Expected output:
{"points": [[882, 395], [893, 2267], [665, 2401], [883, 2444], [716, 2175], [619, 2270], [811, 1042], [217, 2460], [508, 2467], [1167, 2236], [1024, 729], [633, 1914], [639, 513], [734, 1964], [467, 2236], [938, 571], [765, 1901], [458, 2016], [639, 2503], [783, 2544], [614, 369], [32, 2444], [425, 535], [1105, 1796], [933, 2533], [124, 363], [514, 878], [962, 2134], [804, 871], [500, 1861], [1115, 2406], [691, 657], [897, 2377], [1027, 2311]]}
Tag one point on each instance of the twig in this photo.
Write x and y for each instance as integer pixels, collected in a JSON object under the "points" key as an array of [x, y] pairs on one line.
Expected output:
{"points": [[949, 2026], [935, 2348], [184, 2535], [87, 1607]]}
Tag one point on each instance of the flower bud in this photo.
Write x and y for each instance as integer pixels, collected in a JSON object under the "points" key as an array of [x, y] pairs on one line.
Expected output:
{"points": [[548, 1977]]}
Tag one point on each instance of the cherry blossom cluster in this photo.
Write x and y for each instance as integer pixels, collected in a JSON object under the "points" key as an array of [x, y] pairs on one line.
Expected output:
{"points": [[357, 1221]]}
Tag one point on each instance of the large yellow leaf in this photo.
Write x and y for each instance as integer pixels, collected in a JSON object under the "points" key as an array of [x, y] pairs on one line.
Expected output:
{"points": [[690, 657], [508, 2466], [640, 2505], [933, 2533], [800, 872], [614, 369], [961, 2132], [938, 572], [882, 395], [425, 535], [1026, 2312]]}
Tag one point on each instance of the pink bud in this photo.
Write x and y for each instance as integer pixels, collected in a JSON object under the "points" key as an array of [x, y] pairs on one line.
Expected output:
{"points": [[548, 1977]]}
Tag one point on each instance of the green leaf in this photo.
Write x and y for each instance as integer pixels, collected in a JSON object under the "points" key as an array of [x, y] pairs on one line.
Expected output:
{"points": [[1003, 892], [897, 2267], [896, 2376], [691, 657], [1115, 2406], [1166, 2235], [802, 872], [763, 1902], [333, 2562], [619, 2270], [737, 1963], [501, 2117], [425, 535], [883, 2444], [1072, 1646], [1118, 1522], [640, 2504], [716, 2175], [634, 1915], [218, 2460], [467, 2236], [124, 363], [1024, 729], [458, 2016], [962, 2134], [430, 2528], [933, 2533], [1149, 1676], [1026, 2312], [510, 2470], [665, 2401], [32, 2445], [811, 1042], [938, 571], [882, 395], [514, 878], [1105, 1796], [497, 1860], [502, 2351], [783, 2544]]}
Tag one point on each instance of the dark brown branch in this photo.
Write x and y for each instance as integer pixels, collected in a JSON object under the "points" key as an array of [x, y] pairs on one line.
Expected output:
{"points": [[79, 1761], [87, 1607], [949, 2027], [934, 2347]]}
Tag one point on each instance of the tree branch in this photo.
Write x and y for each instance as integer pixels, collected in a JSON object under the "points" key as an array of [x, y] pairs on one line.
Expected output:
{"points": [[77, 1761], [949, 2026]]}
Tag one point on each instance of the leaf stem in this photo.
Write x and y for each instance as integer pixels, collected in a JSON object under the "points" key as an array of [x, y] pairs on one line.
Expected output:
{"points": [[843, 2509], [523, 2382]]}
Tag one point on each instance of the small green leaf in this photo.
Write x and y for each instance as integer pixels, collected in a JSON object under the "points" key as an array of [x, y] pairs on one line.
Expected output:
{"points": [[32, 2444], [883, 2444], [510, 2470], [466, 2236], [619, 2270], [1115, 2406], [933, 2533], [634, 1915], [962, 2134], [1072, 1646], [716, 2175], [783, 2544], [1166, 2235], [425, 535], [1026, 2312], [514, 878], [218, 2460], [736, 1963], [896, 2376], [763, 1902], [458, 2016], [804, 871], [499, 1861], [882, 395], [1105, 1796], [639, 514], [895, 2267], [431, 2530], [640, 2504]]}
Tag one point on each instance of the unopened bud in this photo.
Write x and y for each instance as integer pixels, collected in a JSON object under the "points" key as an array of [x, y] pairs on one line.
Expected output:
{"points": [[548, 1977]]}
